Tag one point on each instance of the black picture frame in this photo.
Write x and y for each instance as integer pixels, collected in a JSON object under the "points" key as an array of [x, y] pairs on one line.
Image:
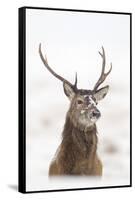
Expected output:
{"points": [[22, 99]]}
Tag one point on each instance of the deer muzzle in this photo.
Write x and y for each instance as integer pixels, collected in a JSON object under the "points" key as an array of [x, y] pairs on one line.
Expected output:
{"points": [[96, 113]]}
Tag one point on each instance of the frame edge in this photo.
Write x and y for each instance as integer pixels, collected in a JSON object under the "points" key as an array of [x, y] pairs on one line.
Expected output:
{"points": [[21, 100]]}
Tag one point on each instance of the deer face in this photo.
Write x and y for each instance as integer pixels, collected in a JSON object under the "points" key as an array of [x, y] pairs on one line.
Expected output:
{"points": [[83, 109]]}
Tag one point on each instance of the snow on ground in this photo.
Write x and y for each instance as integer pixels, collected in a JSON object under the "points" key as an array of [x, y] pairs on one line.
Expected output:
{"points": [[46, 110]]}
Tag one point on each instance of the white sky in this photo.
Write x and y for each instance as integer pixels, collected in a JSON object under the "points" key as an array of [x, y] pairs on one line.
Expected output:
{"points": [[72, 41]]}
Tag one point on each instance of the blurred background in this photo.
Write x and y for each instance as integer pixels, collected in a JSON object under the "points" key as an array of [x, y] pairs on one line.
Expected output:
{"points": [[71, 41]]}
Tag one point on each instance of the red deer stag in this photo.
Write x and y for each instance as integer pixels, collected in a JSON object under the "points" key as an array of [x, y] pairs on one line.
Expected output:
{"points": [[77, 153]]}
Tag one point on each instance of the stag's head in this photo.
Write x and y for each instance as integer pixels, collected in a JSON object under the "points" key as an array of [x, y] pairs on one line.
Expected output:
{"points": [[83, 109]]}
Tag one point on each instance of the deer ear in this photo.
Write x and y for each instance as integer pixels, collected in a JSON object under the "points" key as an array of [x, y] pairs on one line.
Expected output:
{"points": [[101, 93], [68, 91]]}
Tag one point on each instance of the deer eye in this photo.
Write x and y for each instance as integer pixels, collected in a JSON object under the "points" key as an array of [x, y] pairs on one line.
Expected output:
{"points": [[80, 102]]}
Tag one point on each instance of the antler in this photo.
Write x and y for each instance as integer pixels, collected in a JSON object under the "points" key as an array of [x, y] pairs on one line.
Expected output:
{"points": [[44, 60], [103, 74]]}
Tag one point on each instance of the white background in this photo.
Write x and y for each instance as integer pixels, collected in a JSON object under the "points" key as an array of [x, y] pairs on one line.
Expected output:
{"points": [[71, 42], [9, 103]]}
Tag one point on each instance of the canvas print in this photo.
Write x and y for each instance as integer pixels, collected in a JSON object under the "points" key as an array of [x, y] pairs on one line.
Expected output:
{"points": [[74, 99]]}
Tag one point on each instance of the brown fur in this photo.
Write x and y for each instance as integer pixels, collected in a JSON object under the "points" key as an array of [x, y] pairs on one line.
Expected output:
{"points": [[77, 152]]}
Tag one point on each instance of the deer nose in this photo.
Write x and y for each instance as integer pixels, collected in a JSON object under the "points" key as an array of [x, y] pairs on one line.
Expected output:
{"points": [[96, 113]]}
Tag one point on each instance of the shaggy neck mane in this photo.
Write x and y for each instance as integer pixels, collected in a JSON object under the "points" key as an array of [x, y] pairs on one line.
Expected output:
{"points": [[78, 141], [77, 146]]}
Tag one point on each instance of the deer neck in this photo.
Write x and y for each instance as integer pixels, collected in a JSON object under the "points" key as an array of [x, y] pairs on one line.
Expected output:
{"points": [[83, 141]]}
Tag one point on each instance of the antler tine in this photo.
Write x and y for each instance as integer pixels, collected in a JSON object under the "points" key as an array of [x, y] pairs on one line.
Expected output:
{"points": [[103, 74], [44, 60], [75, 84]]}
